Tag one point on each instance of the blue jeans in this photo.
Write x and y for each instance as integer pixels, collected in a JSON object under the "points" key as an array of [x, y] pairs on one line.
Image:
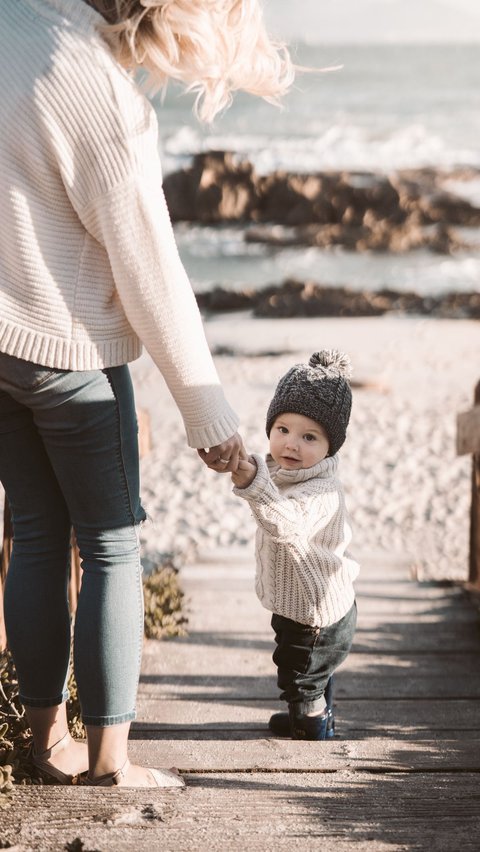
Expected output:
{"points": [[69, 457], [306, 657]]}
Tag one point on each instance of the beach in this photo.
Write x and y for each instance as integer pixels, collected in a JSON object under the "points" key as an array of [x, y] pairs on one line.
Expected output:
{"points": [[398, 114], [360, 197], [408, 493]]}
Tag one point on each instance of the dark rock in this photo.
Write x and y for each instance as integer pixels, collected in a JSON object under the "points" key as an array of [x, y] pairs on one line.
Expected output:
{"points": [[294, 199], [180, 195], [219, 300], [445, 241], [216, 188], [446, 207], [459, 306], [359, 211], [298, 299], [309, 299]]}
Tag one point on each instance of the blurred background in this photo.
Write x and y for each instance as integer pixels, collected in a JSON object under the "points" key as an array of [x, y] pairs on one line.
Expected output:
{"points": [[405, 98]]}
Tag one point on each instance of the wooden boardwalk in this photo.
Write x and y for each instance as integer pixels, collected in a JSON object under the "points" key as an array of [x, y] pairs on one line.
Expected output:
{"points": [[402, 773]]}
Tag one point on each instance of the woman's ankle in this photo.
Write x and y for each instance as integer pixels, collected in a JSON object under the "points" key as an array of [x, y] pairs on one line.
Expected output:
{"points": [[107, 748], [48, 725], [54, 748]]}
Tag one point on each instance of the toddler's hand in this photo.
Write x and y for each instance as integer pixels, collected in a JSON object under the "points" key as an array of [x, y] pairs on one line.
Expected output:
{"points": [[245, 473]]}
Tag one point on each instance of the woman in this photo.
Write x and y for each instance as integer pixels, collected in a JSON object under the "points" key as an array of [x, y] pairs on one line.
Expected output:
{"points": [[88, 272]]}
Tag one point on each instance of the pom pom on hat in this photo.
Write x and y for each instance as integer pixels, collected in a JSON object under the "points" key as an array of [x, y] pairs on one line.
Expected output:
{"points": [[319, 390], [332, 358]]}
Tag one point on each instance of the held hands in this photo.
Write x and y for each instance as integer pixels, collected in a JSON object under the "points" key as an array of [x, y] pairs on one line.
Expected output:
{"points": [[245, 473], [231, 457], [223, 458]]}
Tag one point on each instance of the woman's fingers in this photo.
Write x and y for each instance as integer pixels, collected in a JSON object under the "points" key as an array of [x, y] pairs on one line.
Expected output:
{"points": [[224, 457]]}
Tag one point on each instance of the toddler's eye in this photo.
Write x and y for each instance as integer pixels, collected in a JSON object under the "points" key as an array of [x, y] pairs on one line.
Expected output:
{"points": [[309, 437], [283, 430]]}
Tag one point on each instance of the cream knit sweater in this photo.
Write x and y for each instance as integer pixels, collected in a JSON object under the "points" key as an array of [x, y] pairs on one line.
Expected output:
{"points": [[303, 569], [88, 263]]}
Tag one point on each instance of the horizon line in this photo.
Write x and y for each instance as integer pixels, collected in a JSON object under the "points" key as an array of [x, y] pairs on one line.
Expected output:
{"points": [[383, 43]]}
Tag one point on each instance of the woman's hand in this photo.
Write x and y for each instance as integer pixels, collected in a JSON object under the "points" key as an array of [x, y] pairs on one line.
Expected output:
{"points": [[224, 457]]}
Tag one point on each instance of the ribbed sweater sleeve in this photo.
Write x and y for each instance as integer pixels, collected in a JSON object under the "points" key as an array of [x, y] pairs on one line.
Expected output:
{"points": [[132, 223], [89, 268]]}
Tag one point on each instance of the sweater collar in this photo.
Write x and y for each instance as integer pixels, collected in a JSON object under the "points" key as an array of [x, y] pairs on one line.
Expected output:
{"points": [[323, 469], [75, 12]]}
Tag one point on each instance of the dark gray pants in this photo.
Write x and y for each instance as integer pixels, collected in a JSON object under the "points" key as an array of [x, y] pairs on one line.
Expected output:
{"points": [[306, 657]]}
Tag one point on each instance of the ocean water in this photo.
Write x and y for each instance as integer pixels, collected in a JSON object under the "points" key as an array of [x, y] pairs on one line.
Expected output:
{"points": [[385, 108]]}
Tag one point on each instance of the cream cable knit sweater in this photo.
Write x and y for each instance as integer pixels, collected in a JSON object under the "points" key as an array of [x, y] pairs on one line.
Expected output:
{"points": [[303, 569], [88, 263]]}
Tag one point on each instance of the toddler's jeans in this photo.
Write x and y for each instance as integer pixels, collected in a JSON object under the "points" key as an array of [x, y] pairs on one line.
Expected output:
{"points": [[69, 457], [306, 657]]}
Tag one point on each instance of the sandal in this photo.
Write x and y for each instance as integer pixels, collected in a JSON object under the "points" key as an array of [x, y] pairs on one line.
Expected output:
{"points": [[46, 770], [162, 778]]}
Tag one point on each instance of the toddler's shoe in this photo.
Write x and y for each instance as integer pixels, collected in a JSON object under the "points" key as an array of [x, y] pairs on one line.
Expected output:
{"points": [[279, 724], [303, 727]]}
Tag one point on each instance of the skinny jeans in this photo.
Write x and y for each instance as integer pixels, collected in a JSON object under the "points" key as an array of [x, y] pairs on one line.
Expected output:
{"points": [[69, 458]]}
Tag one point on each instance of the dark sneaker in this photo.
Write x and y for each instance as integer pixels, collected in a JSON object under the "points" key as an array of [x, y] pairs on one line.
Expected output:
{"points": [[279, 725], [304, 727]]}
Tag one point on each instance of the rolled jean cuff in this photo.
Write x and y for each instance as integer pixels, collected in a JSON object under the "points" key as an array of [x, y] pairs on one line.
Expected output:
{"points": [[307, 708], [45, 702], [106, 721]]}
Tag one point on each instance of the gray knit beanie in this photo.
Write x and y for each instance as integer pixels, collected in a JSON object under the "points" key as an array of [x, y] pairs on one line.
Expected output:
{"points": [[319, 390]]}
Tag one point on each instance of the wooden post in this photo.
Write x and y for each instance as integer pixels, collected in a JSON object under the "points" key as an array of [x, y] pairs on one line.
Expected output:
{"points": [[144, 432], [75, 569], [468, 441], [4, 563], [474, 573]]}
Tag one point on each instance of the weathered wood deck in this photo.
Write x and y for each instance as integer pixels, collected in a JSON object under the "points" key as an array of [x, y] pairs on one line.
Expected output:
{"points": [[402, 773]]}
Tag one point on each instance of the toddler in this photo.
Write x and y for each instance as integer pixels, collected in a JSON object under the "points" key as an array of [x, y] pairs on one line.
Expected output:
{"points": [[304, 571]]}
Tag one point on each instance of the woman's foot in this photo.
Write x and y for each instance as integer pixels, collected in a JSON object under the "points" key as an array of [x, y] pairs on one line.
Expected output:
{"points": [[63, 761], [131, 775]]}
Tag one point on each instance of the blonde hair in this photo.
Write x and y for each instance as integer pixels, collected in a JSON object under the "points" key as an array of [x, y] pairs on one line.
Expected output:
{"points": [[214, 47]]}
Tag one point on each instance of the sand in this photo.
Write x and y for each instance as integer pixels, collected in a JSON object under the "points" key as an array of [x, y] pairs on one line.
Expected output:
{"points": [[408, 492]]}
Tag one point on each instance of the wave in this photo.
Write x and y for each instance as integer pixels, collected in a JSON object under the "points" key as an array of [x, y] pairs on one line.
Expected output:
{"points": [[340, 146], [220, 256]]}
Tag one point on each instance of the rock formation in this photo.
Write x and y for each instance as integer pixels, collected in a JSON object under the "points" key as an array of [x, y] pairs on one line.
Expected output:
{"points": [[309, 299], [360, 211]]}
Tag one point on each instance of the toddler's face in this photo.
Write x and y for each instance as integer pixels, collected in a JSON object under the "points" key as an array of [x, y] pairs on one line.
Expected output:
{"points": [[297, 442]]}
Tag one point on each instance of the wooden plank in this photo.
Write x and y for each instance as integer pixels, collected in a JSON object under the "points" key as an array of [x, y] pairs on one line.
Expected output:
{"points": [[468, 431], [75, 575], [254, 732], [4, 563], [279, 755], [420, 638], [144, 432], [348, 685], [218, 609], [260, 811], [175, 661], [233, 572], [463, 635], [474, 556], [401, 718], [371, 588]]}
